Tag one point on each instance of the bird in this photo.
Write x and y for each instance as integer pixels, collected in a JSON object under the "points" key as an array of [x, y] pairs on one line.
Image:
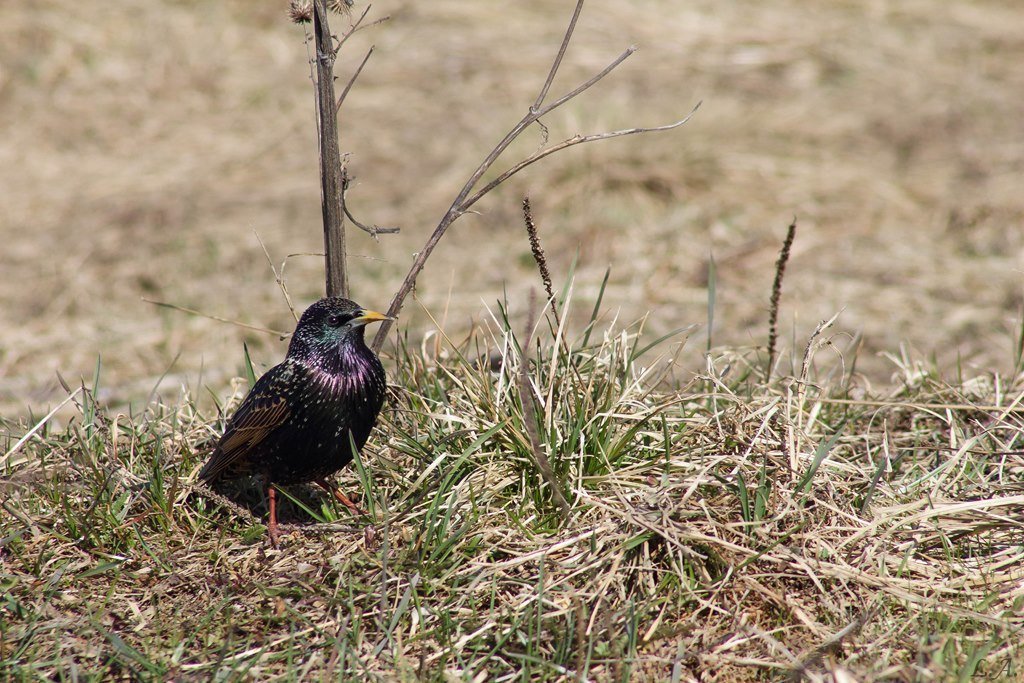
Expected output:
{"points": [[305, 418]]}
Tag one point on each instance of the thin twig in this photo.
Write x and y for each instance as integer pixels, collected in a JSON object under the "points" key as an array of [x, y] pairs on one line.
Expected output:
{"points": [[531, 417], [351, 81], [192, 311], [570, 142], [558, 58], [278, 277], [463, 201], [586, 85], [373, 230], [773, 308], [354, 27]]}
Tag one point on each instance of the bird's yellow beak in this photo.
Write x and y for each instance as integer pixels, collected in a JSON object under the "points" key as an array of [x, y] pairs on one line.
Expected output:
{"points": [[366, 317]]}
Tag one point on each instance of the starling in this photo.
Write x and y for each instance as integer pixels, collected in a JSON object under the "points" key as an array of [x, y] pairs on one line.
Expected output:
{"points": [[301, 420]]}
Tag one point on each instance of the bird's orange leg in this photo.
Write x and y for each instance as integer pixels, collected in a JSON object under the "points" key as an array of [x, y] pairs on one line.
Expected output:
{"points": [[339, 496], [272, 529]]}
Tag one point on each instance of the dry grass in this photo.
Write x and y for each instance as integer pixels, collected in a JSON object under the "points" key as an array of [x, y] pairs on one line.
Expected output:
{"points": [[731, 531], [861, 516], [145, 142]]}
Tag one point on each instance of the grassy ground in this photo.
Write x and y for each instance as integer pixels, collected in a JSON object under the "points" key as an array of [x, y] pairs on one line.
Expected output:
{"points": [[857, 516], [735, 530]]}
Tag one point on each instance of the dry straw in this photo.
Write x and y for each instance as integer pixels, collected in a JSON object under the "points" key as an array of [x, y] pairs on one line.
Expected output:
{"points": [[721, 532]]}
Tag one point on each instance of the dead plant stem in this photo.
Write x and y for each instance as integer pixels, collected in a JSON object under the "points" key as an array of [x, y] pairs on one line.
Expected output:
{"points": [[463, 201]]}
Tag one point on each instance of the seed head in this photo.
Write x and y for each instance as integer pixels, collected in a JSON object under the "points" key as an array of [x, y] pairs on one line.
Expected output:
{"points": [[300, 11], [340, 6]]}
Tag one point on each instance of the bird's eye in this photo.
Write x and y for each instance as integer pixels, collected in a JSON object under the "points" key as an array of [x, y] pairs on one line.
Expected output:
{"points": [[335, 320]]}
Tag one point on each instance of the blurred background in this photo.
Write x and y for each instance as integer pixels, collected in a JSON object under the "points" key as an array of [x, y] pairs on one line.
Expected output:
{"points": [[145, 144]]}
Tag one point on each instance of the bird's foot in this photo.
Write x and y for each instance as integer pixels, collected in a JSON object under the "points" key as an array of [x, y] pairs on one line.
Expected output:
{"points": [[340, 497], [344, 500], [274, 533]]}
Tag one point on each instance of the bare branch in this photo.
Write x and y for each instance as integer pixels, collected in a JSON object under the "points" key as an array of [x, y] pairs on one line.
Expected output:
{"points": [[375, 22], [586, 85], [330, 157], [570, 142], [373, 230], [351, 81], [355, 26], [558, 58], [463, 201]]}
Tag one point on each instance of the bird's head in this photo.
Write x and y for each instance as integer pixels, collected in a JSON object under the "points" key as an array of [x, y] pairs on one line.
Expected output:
{"points": [[330, 324]]}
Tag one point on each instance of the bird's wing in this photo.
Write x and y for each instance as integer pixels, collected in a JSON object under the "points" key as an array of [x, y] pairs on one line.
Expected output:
{"points": [[262, 411]]}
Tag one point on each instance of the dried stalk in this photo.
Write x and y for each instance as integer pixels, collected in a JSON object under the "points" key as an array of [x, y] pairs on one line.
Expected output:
{"points": [[351, 81], [331, 195], [538, 256], [372, 230], [334, 180], [773, 308], [192, 311], [465, 200], [805, 367]]}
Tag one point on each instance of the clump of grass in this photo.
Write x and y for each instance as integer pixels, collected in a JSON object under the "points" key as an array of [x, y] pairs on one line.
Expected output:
{"points": [[723, 530]]}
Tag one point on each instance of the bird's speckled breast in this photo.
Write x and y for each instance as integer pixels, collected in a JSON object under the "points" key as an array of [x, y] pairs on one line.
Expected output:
{"points": [[330, 409]]}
